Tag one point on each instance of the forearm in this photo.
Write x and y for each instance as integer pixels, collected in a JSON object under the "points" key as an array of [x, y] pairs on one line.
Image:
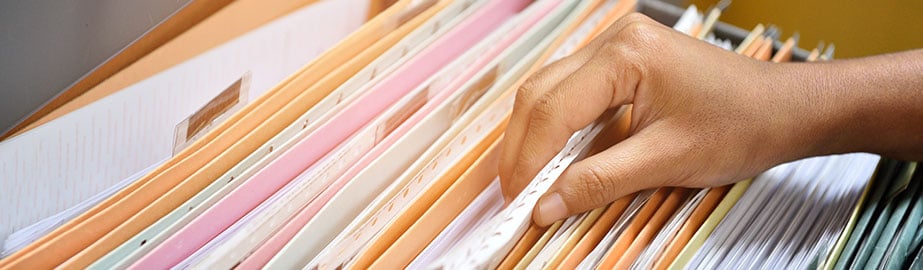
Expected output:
{"points": [[872, 104]]}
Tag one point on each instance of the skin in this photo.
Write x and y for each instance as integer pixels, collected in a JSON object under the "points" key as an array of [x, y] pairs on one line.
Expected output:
{"points": [[701, 116]]}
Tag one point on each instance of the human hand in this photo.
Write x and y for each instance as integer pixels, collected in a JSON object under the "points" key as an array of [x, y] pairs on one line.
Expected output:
{"points": [[700, 116]]}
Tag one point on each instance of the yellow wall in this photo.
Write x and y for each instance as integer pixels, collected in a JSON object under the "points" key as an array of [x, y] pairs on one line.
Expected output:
{"points": [[857, 28]]}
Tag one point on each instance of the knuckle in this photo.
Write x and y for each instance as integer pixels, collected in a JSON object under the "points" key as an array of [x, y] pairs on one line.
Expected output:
{"points": [[526, 91], [637, 46], [615, 48], [630, 59], [622, 51], [544, 111], [636, 17], [640, 37]]}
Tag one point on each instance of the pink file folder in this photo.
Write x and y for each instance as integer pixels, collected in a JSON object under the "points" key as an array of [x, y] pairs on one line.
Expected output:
{"points": [[266, 251], [307, 151]]}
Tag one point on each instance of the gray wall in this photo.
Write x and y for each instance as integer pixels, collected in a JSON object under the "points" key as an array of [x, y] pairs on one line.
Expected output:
{"points": [[45, 45]]}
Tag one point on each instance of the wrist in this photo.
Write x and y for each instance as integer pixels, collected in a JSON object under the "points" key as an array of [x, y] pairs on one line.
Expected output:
{"points": [[809, 117], [860, 105]]}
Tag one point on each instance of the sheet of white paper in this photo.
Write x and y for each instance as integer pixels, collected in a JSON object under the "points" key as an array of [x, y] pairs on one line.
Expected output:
{"points": [[486, 205], [23, 237], [63, 162], [790, 214]]}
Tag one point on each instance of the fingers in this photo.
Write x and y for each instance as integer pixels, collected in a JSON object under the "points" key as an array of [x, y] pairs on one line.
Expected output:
{"points": [[528, 95], [534, 90], [639, 162], [603, 82], [543, 81]]}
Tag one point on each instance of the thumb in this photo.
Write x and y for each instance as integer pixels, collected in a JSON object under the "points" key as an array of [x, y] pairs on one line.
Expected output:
{"points": [[640, 162]]}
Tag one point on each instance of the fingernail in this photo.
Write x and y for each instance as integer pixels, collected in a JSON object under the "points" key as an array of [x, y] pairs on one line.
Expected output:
{"points": [[551, 208]]}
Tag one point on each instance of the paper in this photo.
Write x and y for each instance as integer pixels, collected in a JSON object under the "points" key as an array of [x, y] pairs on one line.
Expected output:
{"points": [[383, 153], [448, 114], [486, 205], [803, 229], [262, 156], [656, 247], [322, 174], [23, 237], [406, 132], [132, 129], [326, 137], [491, 241], [432, 172]]}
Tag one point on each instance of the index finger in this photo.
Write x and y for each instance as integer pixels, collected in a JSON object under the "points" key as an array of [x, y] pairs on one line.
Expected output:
{"points": [[575, 103], [534, 89]]}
